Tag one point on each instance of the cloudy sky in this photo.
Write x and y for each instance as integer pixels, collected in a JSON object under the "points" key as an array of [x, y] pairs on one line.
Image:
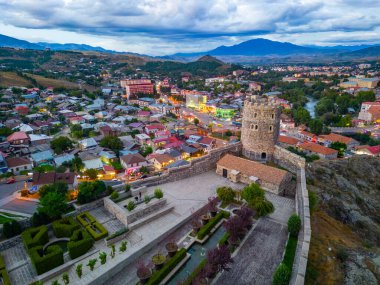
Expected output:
{"points": [[169, 26]]}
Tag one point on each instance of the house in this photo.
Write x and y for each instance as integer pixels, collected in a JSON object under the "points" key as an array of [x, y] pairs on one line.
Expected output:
{"points": [[207, 142], [188, 151], [42, 157], [308, 136], [286, 141], [246, 171], [154, 128], [143, 115], [106, 130], [368, 150], [39, 139], [18, 164], [370, 112], [142, 139], [59, 160], [107, 156], [160, 161], [68, 178], [88, 143], [178, 163], [18, 138], [321, 151], [327, 140], [133, 162]]}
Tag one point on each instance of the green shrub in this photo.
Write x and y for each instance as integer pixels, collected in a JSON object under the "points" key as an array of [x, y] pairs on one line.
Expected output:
{"points": [[39, 219], [146, 199], [281, 275], [252, 191], [80, 243], [118, 233], [226, 194], [290, 252], [114, 195], [97, 236], [85, 219], [158, 193], [294, 225], [4, 275], [52, 258], [2, 263], [262, 206], [160, 275], [35, 236], [11, 229], [65, 227], [206, 229], [224, 239], [131, 205]]}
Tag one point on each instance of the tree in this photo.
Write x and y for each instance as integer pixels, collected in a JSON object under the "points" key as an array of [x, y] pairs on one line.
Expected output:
{"points": [[196, 121], [11, 229], [294, 225], [345, 121], [302, 116], [5, 131], [65, 278], [262, 206], [340, 147], [217, 260], [75, 165], [92, 173], [146, 150], [252, 191], [103, 257], [111, 142], [53, 204], [59, 187], [281, 275], [90, 191], [44, 168], [316, 126], [78, 269], [234, 226], [144, 169], [123, 246], [91, 263], [226, 194], [61, 144]]}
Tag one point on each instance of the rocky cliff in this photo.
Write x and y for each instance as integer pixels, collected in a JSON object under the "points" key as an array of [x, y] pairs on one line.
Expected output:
{"points": [[345, 202]]}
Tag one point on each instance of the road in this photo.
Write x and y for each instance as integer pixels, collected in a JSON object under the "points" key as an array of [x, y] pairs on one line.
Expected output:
{"points": [[21, 206], [9, 189]]}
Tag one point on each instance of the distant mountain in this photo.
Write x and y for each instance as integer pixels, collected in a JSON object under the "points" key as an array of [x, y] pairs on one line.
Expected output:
{"points": [[72, 46], [341, 47], [366, 52], [6, 41]]}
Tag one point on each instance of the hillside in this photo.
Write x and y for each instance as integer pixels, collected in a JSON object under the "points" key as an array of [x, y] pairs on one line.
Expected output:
{"points": [[345, 244], [204, 66], [366, 52]]}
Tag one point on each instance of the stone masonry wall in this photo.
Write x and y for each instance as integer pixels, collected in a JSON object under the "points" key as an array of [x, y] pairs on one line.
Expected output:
{"points": [[116, 210], [288, 160]]}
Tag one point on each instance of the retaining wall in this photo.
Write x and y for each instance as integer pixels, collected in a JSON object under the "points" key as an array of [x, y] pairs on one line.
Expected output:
{"points": [[288, 160]]}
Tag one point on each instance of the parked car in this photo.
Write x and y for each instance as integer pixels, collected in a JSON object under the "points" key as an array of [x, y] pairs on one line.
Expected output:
{"points": [[10, 180], [30, 179]]}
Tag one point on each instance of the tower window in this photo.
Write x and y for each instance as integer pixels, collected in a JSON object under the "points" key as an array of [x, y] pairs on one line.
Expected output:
{"points": [[271, 128], [256, 127], [255, 115], [263, 155], [272, 116]]}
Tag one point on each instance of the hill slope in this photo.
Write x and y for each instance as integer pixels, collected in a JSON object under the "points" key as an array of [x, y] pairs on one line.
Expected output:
{"points": [[366, 52], [346, 223], [6, 41]]}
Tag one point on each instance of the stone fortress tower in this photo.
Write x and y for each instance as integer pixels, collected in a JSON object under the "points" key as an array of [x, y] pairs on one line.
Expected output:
{"points": [[260, 128]]}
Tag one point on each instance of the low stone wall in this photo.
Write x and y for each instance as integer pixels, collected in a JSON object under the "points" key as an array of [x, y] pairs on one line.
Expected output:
{"points": [[15, 241], [288, 160], [304, 236], [144, 210], [87, 207], [116, 239], [119, 212]]}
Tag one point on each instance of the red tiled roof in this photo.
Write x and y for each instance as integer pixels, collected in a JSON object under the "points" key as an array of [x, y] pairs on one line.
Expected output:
{"points": [[17, 161], [52, 177], [336, 138], [132, 158], [288, 140], [17, 136], [317, 148]]}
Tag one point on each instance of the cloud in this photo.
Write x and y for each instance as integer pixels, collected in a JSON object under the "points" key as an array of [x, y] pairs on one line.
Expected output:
{"points": [[193, 24]]}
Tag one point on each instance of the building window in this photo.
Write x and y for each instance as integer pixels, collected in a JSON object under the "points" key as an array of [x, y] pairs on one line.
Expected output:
{"points": [[25, 167], [255, 115], [272, 116], [271, 128], [256, 127]]}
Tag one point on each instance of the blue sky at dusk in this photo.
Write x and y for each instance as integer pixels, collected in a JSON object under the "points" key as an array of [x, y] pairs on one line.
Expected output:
{"points": [[166, 27]]}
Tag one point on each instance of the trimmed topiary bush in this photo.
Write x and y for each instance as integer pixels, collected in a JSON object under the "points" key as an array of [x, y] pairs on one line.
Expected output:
{"points": [[45, 261], [294, 225], [35, 236], [5, 277], [65, 227], [80, 243], [11, 229], [98, 233], [281, 275], [206, 229], [85, 219]]}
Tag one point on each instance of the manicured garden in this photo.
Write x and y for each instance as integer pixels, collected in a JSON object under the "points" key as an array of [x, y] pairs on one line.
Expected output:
{"points": [[78, 235]]}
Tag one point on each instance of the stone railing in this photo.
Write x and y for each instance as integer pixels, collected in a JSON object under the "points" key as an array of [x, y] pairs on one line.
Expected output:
{"points": [[303, 244]]}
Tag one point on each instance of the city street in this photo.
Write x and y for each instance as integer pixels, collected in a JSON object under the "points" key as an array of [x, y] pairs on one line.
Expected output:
{"points": [[9, 189]]}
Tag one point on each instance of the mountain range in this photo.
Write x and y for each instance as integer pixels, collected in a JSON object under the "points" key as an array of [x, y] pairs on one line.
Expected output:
{"points": [[249, 51]]}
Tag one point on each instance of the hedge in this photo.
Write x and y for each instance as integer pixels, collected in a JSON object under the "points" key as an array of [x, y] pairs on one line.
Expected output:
{"points": [[35, 236], [80, 243], [189, 280], [97, 236], [118, 233], [83, 222], [2, 263], [290, 252], [65, 227], [52, 258], [282, 275], [224, 239], [206, 229], [5, 277], [160, 275]]}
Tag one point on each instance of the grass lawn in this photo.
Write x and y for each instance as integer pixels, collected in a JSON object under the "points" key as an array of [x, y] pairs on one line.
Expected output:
{"points": [[3, 220]]}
